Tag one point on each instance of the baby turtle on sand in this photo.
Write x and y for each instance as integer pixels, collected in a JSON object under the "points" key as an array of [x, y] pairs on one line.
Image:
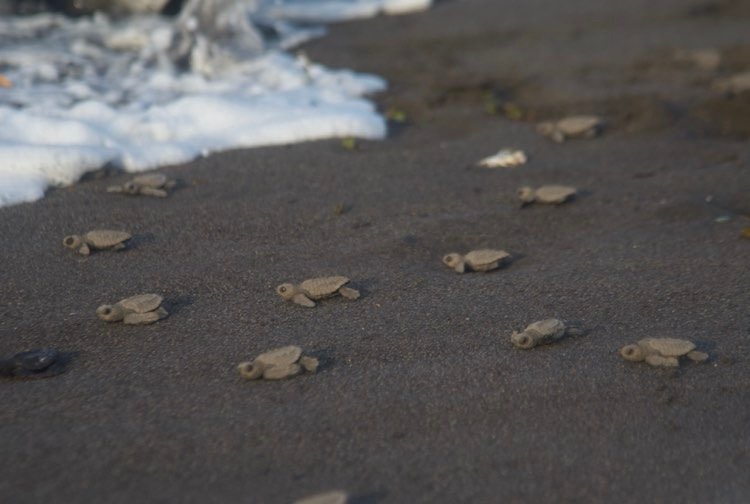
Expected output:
{"points": [[333, 497], [662, 351], [32, 364], [136, 310], [152, 184], [476, 260], [278, 364], [539, 333], [583, 126], [549, 194], [99, 239], [316, 288]]}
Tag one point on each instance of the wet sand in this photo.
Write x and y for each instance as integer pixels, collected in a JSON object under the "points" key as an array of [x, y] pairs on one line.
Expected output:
{"points": [[420, 396]]}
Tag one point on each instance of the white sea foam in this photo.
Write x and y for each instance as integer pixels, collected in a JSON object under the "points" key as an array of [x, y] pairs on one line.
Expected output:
{"points": [[147, 91]]}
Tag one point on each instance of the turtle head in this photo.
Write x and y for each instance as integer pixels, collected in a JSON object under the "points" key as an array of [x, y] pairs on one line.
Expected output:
{"points": [[72, 241], [526, 195], [523, 340], [110, 313], [454, 261], [130, 187], [250, 370], [286, 291], [632, 353]]}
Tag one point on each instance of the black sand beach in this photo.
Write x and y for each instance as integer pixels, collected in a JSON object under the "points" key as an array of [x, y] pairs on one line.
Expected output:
{"points": [[420, 396]]}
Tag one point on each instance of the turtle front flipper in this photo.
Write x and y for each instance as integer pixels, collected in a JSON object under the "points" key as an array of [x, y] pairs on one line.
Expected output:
{"points": [[303, 300], [659, 360], [150, 191], [460, 267], [84, 250], [141, 318], [349, 293], [115, 189]]}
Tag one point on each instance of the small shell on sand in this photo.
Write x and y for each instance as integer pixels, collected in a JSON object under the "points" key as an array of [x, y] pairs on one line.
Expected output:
{"points": [[506, 158]]}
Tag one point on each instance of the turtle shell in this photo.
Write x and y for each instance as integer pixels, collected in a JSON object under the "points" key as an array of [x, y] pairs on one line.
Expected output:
{"points": [[323, 286], [484, 257], [103, 238], [577, 125], [142, 303], [283, 356], [550, 327], [154, 180], [668, 347], [554, 193]]}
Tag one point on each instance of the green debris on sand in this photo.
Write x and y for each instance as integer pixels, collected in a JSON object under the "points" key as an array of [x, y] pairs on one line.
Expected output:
{"points": [[349, 143]]}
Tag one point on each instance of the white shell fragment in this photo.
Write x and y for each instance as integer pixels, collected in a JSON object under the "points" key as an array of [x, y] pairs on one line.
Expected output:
{"points": [[313, 289], [278, 364], [332, 497], [539, 333], [136, 310], [506, 158], [477, 260], [662, 352]]}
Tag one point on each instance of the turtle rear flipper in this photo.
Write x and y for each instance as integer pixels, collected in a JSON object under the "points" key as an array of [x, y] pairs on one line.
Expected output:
{"points": [[303, 300], [349, 293], [697, 356]]}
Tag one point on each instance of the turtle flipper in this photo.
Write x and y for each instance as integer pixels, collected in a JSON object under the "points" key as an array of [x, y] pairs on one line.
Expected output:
{"points": [[141, 318], [84, 250], [303, 300], [697, 356], [150, 191], [658, 360], [115, 189], [349, 293], [460, 267]]}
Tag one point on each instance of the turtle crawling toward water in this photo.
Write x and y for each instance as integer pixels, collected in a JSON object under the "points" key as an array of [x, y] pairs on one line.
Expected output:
{"points": [[664, 352], [313, 289], [583, 126], [39, 363], [476, 260], [548, 194], [539, 333], [278, 364], [136, 310], [99, 239], [152, 184]]}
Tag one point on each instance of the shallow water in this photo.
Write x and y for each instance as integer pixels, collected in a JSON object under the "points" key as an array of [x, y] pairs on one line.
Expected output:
{"points": [[145, 91]]}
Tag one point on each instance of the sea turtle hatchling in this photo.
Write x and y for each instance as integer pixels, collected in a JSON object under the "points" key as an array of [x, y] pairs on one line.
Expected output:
{"points": [[583, 126], [136, 310], [548, 194], [476, 260], [332, 497], [152, 184], [539, 333], [278, 364], [313, 289], [99, 239], [662, 351]]}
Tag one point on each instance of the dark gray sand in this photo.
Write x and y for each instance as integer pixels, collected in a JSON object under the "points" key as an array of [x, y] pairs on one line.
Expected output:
{"points": [[420, 397]]}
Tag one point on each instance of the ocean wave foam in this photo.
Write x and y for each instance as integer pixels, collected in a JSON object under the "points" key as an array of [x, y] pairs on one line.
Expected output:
{"points": [[147, 91]]}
